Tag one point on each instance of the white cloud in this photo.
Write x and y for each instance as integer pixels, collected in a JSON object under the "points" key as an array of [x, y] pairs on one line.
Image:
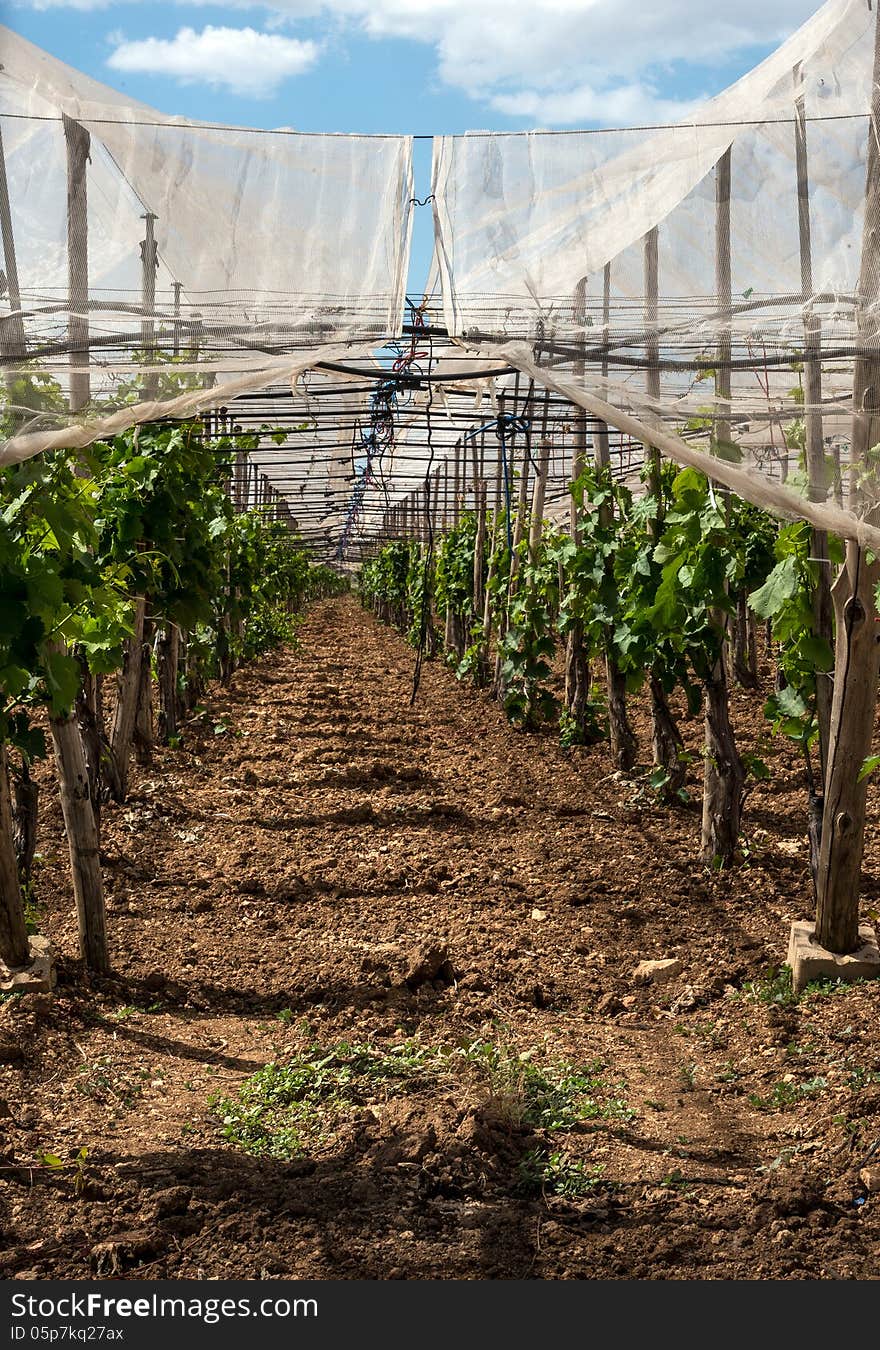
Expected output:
{"points": [[621, 105], [578, 60], [569, 60], [238, 59]]}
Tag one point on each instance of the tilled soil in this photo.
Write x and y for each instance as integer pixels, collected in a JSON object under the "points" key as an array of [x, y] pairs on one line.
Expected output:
{"points": [[322, 863]]}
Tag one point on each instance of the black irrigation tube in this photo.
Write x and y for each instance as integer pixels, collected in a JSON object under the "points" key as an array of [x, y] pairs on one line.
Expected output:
{"points": [[415, 380]]}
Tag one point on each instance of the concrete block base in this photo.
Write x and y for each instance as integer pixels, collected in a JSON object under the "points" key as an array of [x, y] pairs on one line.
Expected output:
{"points": [[38, 977], [810, 962]]}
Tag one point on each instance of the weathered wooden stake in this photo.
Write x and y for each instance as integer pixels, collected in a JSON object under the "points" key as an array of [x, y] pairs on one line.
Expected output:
{"points": [[456, 493], [77, 141], [14, 950], [143, 723], [12, 339], [817, 472], [480, 551], [178, 287], [857, 654], [82, 840], [652, 345], [25, 814], [539, 491], [723, 771], [149, 266], [577, 673], [128, 685]]}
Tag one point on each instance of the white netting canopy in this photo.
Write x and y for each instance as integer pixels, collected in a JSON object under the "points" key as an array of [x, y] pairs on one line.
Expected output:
{"points": [[709, 288], [264, 243], [526, 223]]}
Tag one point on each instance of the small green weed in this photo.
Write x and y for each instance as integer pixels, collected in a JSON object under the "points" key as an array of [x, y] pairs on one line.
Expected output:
{"points": [[773, 987], [860, 1077], [543, 1173], [31, 911], [787, 1094], [549, 1097], [676, 1180], [688, 1075], [825, 988], [283, 1108], [728, 1073], [76, 1164]]}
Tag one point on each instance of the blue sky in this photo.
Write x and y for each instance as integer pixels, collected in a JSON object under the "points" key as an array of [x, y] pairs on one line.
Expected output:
{"points": [[418, 66]]}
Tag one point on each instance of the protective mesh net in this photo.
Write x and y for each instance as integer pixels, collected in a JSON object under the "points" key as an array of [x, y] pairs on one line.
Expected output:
{"points": [[710, 289], [146, 255], [710, 276]]}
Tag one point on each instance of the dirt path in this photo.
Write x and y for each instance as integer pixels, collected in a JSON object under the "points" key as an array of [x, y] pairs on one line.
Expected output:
{"points": [[465, 906]]}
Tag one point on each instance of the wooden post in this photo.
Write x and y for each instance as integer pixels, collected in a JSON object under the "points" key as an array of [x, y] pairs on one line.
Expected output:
{"points": [[852, 724], [499, 467], [601, 452], [496, 526], [577, 674], [536, 521], [519, 526], [579, 437], [168, 658], [14, 949], [723, 772], [196, 338], [509, 442], [149, 265], [12, 341], [77, 141], [25, 811], [178, 287], [125, 711], [480, 550], [666, 742], [522, 502], [239, 481], [82, 839], [456, 500], [475, 473], [817, 472], [652, 347], [143, 722], [576, 663], [723, 297], [480, 537], [857, 655]]}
